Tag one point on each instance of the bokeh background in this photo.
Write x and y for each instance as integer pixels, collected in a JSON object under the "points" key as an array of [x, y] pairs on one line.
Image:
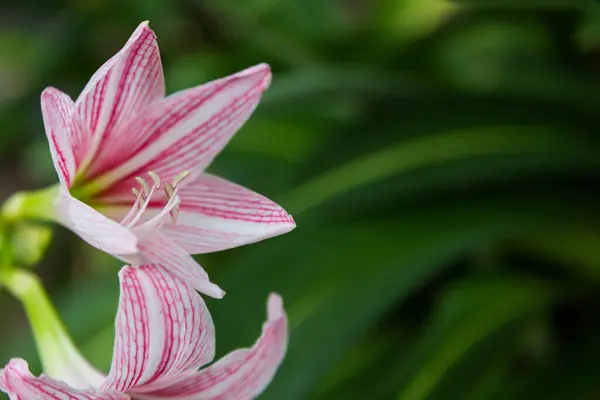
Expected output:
{"points": [[441, 160]]}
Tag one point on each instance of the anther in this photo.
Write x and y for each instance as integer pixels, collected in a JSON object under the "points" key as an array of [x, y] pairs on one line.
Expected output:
{"points": [[155, 178], [169, 190], [135, 192], [143, 184], [180, 177]]}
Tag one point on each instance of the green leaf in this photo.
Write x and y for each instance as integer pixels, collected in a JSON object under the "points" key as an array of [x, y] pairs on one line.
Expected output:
{"points": [[338, 281], [571, 374], [423, 152], [529, 4], [575, 247], [470, 311]]}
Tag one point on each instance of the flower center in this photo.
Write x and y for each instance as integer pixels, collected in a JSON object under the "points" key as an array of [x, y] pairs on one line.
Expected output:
{"points": [[143, 196]]}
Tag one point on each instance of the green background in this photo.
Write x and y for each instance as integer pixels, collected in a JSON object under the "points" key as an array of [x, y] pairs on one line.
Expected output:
{"points": [[441, 161]]}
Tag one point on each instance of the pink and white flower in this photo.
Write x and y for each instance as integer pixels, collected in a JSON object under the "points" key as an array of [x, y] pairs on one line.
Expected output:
{"points": [[122, 135], [164, 333]]}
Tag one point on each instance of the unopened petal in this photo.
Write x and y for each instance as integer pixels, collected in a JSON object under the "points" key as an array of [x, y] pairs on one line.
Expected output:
{"points": [[163, 252], [93, 227], [163, 329], [242, 374], [126, 84], [186, 130], [57, 110], [19, 384]]}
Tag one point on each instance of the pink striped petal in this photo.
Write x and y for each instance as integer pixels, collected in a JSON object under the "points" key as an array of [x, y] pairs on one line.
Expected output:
{"points": [[216, 214], [57, 109], [184, 131], [163, 252], [121, 88], [96, 229], [163, 329], [20, 384], [242, 374]]}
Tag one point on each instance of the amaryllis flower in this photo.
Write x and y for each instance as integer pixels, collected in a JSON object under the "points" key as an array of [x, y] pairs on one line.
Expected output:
{"points": [[164, 333], [131, 163]]}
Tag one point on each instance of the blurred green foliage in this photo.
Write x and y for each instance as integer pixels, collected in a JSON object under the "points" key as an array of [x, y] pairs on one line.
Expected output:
{"points": [[441, 160]]}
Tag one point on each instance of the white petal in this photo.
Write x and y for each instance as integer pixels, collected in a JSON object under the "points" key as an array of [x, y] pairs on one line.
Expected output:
{"points": [[126, 84], [20, 384], [163, 252], [186, 130], [242, 374], [93, 227], [57, 109], [163, 329], [216, 214]]}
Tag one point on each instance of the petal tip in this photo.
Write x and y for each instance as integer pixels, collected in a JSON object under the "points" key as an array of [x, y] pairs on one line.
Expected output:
{"points": [[262, 70], [210, 289], [15, 369], [275, 309], [126, 270], [286, 225], [291, 222], [48, 90], [50, 93], [145, 27], [216, 292]]}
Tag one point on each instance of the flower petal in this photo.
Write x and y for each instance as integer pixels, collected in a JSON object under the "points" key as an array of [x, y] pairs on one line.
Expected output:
{"points": [[121, 88], [242, 374], [20, 384], [93, 227], [57, 109], [186, 130], [216, 214], [163, 329], [163, 252]]}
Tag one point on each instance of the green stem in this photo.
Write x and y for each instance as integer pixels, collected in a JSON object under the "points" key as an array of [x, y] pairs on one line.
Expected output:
{"points": [[37, 205], [44, 320], [59, 357]]}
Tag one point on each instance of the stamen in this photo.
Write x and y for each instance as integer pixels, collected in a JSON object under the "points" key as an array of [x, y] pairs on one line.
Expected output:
{"points": [[159, 219], [155, 178], [144, 185], [142, 208], [133, 209], [144, 196], [180, 177], [169, 190]]}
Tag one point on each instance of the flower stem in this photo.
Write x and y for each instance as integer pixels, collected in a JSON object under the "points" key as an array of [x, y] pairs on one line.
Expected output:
{"points": [[38, 204], [59, 357]]}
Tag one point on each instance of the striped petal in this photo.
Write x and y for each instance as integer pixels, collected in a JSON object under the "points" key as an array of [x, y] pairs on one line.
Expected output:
{"points": [[216, 214], [184, 131], [19, 384], [57, 110], [242, 374], [163, 252], [96, 229], [127, 83], [163, 329]]}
